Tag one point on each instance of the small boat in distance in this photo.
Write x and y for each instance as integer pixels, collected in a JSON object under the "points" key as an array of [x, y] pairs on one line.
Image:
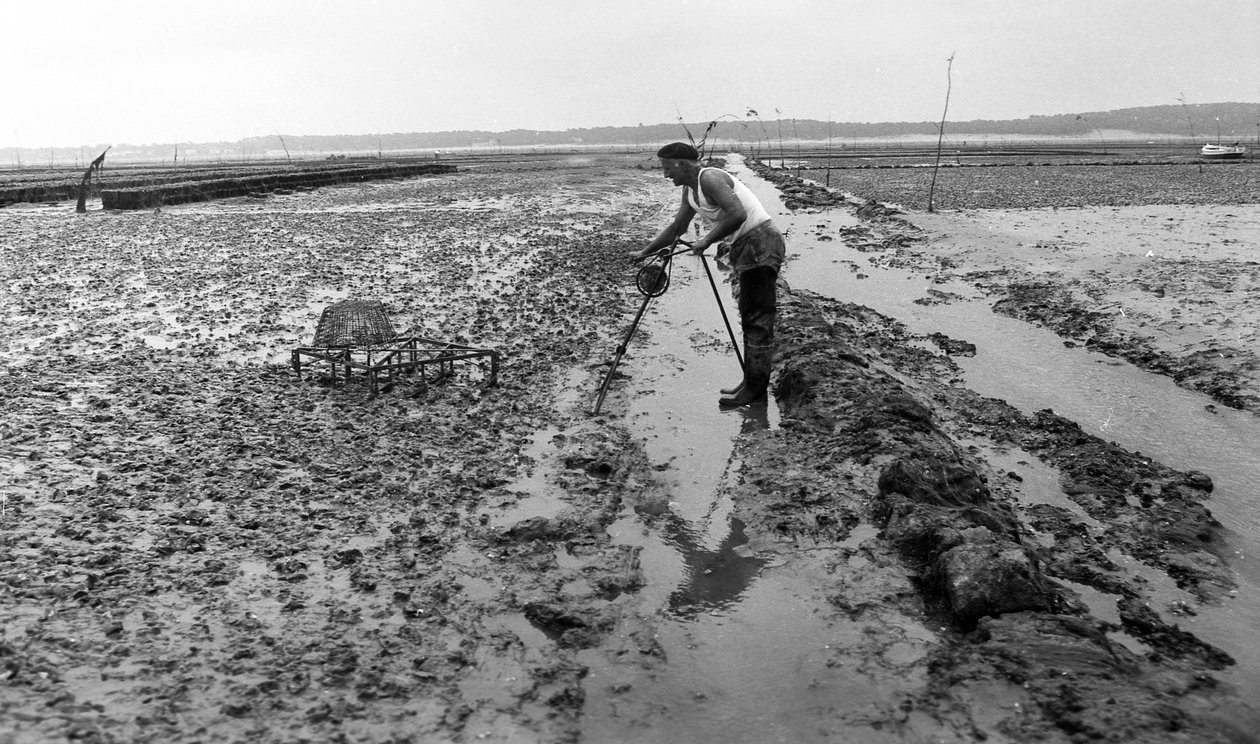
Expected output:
{"points": [[1222, 152]]}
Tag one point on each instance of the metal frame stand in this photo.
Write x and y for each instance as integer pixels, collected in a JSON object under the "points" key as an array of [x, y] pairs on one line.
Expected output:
{"points": [[621, 350], [722, 307], [408, 354], [655, 287]]}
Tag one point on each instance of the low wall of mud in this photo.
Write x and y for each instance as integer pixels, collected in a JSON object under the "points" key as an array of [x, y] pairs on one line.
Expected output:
{"points": [[852, 384], [1213, 371], [159, 194], [38, 192]]}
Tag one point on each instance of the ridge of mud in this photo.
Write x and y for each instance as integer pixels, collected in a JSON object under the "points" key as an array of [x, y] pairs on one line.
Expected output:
{"points": [[885, 422], [1224, 373], [866, 417], [1077, 312]]}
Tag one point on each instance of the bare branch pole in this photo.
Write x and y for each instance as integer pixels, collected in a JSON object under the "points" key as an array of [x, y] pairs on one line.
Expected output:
{"points": [[704, 138], [690, 137], [753, 113], [940, 139], [782, 161], [289, 157], [96, 166], [799, 157], [828, 184], [1189, 119], [705, 150]]}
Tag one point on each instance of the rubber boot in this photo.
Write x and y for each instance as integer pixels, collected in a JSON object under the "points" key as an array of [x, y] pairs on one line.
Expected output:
{"points": [[732, 390], [756, 376]]}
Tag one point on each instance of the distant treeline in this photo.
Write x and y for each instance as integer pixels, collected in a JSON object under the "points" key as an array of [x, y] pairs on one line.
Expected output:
{"points": [[1201, 121], [1237, 120]]}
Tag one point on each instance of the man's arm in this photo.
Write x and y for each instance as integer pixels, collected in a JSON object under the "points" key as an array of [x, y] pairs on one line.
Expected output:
{"points": [[718, 186], [675, 229]]}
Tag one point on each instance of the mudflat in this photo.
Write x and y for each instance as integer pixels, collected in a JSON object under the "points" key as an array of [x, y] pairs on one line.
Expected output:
{"points": [[1173, 288], [200, 544]]}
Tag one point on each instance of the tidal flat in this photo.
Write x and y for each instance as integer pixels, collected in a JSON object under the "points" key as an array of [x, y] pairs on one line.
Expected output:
{"points": [[200, 544]]}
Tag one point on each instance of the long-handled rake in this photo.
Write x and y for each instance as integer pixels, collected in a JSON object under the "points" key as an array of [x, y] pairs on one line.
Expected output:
{"points": [[652, 281]]}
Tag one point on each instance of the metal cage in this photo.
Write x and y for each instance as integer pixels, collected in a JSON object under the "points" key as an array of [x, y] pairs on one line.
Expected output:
{"points": [[356, 335]]}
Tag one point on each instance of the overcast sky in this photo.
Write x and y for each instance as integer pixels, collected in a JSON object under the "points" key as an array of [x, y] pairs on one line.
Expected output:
{"points": [[87, 72]]}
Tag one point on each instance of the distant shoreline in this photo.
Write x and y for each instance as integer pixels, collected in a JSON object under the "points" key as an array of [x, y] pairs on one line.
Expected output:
{"points": [[1205, 122], [1103, 143]]}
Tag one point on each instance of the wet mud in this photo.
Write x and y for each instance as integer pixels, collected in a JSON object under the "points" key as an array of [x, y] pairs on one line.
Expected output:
{"points": [[1176, 295], [1007, 577], [200, 545]]}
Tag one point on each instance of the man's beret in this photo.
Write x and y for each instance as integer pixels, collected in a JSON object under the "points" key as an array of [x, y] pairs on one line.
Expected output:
{"points": [[678, 151]]}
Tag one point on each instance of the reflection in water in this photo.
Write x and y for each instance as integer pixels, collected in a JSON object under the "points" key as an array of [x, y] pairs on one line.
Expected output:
{"points": [[715, 579]]}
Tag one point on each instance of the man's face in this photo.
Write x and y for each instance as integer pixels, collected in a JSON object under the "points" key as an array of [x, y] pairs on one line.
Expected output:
{"points": [[674, 170]]}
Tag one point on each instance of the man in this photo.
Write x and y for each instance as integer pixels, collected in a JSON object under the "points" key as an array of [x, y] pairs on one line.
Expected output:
{"points": [[730, 211]]}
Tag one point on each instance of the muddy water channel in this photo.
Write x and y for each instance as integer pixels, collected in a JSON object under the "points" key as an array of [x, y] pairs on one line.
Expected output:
{"points": [[1032, 369], [738, 635], [745, 645]]}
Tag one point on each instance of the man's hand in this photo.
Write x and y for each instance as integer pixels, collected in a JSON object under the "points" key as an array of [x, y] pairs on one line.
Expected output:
{"points": [[699, 247], [642, 254]]}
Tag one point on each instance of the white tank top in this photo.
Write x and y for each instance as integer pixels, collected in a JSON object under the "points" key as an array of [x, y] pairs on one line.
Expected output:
{"points": [[754, 213]]}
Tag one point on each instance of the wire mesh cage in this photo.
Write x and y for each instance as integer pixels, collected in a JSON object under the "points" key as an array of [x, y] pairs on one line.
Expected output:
{"points": [[354, 323], [356, 335]]}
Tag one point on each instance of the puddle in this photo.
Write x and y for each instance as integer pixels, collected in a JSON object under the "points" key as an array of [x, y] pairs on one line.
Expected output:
{"points": [[859, 535], [537, 498], [763, 671], [1038, 483], [714, 579]]}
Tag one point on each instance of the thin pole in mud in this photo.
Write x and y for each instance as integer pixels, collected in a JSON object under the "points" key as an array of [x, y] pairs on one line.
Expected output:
{"points": [[949, 84], [621, 350], [722, 308], [654, 285]]}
